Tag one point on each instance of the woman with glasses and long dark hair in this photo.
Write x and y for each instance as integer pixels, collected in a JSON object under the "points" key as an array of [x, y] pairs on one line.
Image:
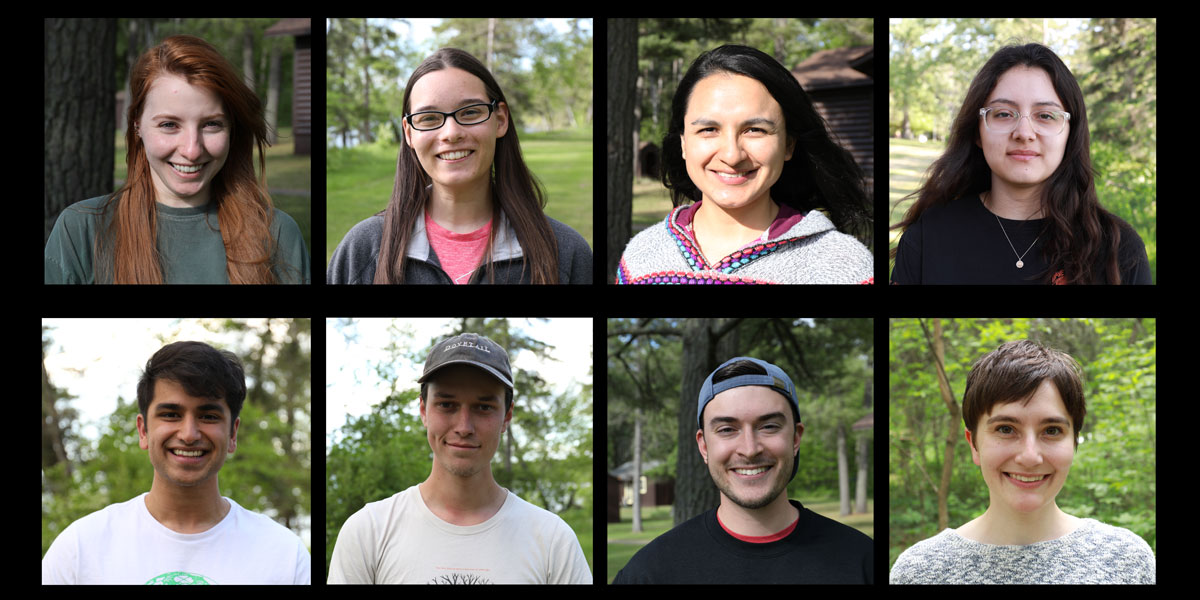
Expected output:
{"points": [[762, 193], [1012, 200], [465, 208]]}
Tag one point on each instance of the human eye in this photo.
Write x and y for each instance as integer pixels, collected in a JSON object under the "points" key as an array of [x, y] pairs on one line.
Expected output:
{"points": [[168, 125], [1055, 430], [1005, 430]]}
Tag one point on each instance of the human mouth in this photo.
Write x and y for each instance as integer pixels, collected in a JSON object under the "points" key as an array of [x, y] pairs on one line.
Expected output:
{"points": [[735, 177], [1023, 155], [456, 155], [187, 171], [753, 472], [188, 456], [1026, 481]]}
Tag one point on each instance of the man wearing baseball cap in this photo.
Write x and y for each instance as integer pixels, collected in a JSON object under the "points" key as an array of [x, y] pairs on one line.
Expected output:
{"points": [[748, 431], [459, 525]]}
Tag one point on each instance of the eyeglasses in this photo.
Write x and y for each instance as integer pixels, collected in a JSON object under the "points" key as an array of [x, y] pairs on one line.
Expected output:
{"points": [[467, 115], [1005, 120]]}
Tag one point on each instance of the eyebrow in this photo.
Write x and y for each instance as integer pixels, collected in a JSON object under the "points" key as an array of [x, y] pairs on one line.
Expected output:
{"points": [[461, 104], [1009, 419], [713, 422], [213, 406], [1012, 103], [704, 122], [170, 116], [493, 398]]}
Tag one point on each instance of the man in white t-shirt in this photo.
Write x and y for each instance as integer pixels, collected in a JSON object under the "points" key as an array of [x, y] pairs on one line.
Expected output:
{"points": [[459, 525], [182, 531]]}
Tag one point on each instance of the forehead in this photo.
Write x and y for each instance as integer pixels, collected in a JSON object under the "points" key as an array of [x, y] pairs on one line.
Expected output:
{"points": [[1025, 85], [730, 96], [1045, 402], [167, 391], [446, 88], [171, 93], [746, 403]]}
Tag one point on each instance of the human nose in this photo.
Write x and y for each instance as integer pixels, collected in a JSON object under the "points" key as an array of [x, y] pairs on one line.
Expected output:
{"points": [[463, 425], [189, 429], [1024, 128], [193, 146], [731, 152], [1031, 454]]}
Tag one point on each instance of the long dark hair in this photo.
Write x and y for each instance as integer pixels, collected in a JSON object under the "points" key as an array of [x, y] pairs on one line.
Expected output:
{"points": [[821, 174], [1078, 231], [514, 190]]}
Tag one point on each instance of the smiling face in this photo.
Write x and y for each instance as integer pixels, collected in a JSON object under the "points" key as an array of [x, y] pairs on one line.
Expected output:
{"points": [[1025, 450], [734, 140], [1023, 158], [187, 437], [749, 441], [464, 416], [186, 135], [441, 151]]}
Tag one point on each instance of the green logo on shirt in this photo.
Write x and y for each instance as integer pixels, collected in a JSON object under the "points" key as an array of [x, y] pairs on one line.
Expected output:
{"points": [[180, 578]]}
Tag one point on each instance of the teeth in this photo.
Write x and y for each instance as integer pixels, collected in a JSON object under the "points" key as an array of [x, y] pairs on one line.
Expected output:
{"points": [[731, 175], [750, 471], [1027, 479], [455, 155], [183, 169], [187, 453]]}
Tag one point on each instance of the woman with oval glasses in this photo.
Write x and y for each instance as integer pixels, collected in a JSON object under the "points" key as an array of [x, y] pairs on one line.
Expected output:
{"points": [[465, 208], [192, 209], [753, 161], [1023, 409], [1012, 200]]}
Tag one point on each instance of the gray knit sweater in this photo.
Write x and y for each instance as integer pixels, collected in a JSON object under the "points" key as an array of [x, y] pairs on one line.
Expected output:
{"points": [[1093, 553], [800, 249]]}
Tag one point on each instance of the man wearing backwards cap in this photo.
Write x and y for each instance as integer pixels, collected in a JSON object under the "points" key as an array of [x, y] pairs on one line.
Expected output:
{"points": [[459, 525], [749, 431]]}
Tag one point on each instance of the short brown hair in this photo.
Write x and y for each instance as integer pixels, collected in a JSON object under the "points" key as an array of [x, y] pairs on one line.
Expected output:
{"points": [[1013, 372]]}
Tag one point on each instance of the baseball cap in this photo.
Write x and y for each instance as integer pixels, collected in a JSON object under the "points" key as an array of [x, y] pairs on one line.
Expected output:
{"points": [[469, 349], [775, 379]]}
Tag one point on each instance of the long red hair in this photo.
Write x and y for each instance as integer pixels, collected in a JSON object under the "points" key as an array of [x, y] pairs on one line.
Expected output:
{"points": [[244, 208]]}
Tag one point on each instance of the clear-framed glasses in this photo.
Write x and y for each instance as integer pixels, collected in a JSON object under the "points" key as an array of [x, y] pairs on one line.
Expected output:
{"points": [[1000, 119], [468, 115]]}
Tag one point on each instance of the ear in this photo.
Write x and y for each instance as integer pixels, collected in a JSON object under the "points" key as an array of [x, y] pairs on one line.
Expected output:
{"points": [[974, 451], [700, 442], [501, 120], [233, 435], [143, 440]]}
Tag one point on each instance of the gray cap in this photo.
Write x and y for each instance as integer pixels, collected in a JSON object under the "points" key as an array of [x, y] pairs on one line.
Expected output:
{"points": [[469, 349]]}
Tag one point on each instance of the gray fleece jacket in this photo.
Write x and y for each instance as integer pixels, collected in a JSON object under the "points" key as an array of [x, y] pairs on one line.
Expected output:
{"points": [[356, 256]]}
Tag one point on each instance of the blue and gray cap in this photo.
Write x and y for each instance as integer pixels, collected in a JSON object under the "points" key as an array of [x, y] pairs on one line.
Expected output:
{"points": [[775, 379]]}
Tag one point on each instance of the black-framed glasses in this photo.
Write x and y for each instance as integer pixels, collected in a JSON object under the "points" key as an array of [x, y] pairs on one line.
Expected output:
{"points": [[474, 114]]}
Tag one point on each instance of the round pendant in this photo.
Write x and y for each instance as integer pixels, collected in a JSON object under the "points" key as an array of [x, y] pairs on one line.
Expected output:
{"points": [[1020, 265]]}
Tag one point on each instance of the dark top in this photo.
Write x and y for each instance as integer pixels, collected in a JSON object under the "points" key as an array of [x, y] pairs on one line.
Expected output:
{"points": [[819, 550], [961, 243]]}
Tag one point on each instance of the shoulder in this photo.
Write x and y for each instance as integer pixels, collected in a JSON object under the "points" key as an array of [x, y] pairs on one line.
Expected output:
{"points": [[926, 560], [826, 255], [263, 530], [355, 258], [660, 557], [574, 254]]}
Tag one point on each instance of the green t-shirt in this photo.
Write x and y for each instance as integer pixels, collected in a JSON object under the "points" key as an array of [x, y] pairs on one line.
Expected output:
{"points": [[189, 244]]}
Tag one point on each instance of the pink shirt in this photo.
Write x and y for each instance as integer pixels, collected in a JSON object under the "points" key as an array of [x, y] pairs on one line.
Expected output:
{"points": [[459, 253]]}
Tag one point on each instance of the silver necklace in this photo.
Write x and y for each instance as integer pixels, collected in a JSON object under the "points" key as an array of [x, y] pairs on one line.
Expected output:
{"points": [[1020, 257]]}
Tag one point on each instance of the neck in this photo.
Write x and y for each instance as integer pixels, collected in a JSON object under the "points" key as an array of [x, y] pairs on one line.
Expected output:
{"points": [[461, 210], [741, 222], [1004, 527], [1017, 204], [192, 509], [462, 500], [757, 522]]}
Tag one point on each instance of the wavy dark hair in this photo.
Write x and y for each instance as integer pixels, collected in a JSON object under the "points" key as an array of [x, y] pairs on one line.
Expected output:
{"points": [[821, 174], [202, 371], [1079, 233], [515, 191]]}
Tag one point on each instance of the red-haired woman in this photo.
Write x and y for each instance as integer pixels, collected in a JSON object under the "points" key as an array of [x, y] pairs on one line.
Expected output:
{"points": [[192, 209]]}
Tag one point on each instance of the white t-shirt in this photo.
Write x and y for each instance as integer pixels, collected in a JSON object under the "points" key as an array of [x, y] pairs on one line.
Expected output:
{"points": [[399, 540], [123, 543]]}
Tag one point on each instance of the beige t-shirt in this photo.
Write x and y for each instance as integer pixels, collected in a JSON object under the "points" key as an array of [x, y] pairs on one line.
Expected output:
{"points": [[399, 540]]}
